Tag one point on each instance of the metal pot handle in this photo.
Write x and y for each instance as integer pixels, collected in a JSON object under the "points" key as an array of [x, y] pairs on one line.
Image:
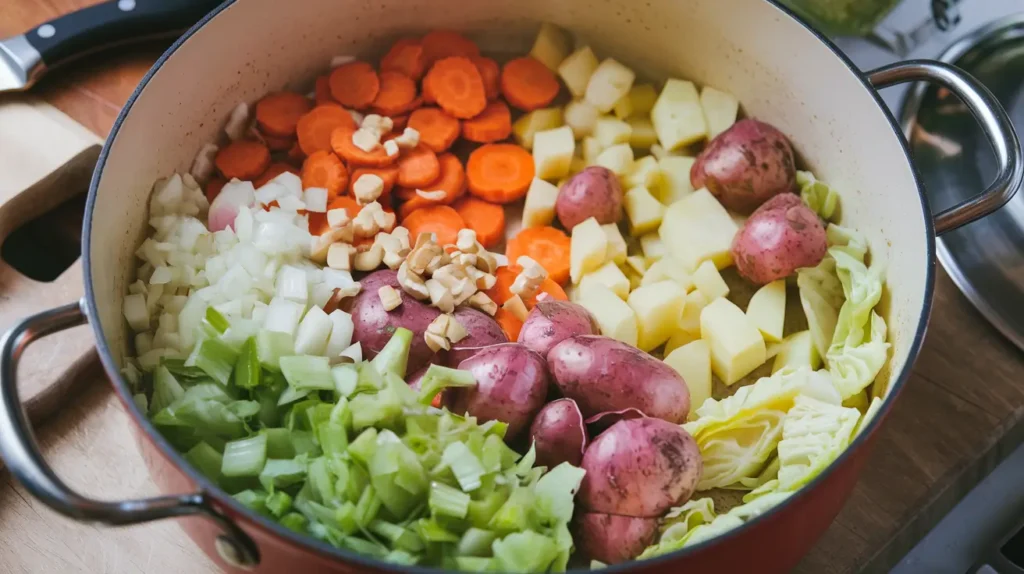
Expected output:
{"points": [[994, 122], [21, 453]]}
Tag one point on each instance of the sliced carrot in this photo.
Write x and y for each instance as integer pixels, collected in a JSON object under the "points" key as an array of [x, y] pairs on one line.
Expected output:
{"points": [[213, 187], [388, 174], [499, 173], [437, 128], [442, 220], [405, 56], [545, 245], [486, 219], [456, 84], [273, 170], [322, 91], [429, 97], [452, 181], [354, 85], [397, 93], [441, 44], [324, 169], [277, 113], [490, 73], [399, 122], [418, 167], [317, 223], [346, 202], [244, 159], [275, 143], [502, 289], [528, 84], [492, 125], [509, 323], [341, 143], [295, 155], [315, 128]]}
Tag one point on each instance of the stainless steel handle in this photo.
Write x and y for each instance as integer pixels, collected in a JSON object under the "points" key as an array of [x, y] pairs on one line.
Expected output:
{"points": [[21, 453], [994, 122]]}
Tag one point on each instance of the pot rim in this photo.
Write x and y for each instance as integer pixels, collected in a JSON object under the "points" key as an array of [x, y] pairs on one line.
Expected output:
{"points": [[307, 542]]}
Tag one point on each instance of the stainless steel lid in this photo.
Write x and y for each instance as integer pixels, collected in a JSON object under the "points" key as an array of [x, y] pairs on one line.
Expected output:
{"points": [[985, 258]]}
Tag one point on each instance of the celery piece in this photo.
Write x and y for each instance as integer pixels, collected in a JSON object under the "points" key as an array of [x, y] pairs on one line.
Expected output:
{"points": [[383, 408], [563, 542], [474, 564], [210, 418], [206, 459], [398, 537], [396, 475], [475, 542], [394, 357], [184, 374], [402, 557], [526, 463], [514, 515], [367, 507], [362, 546], [525, 551], [356, 480], [496, 455], [269, 415], [271, 346], [333, 438], [303, 443], [316, 414], [361, 449], [216, 320], [464, 465], [244, 409], [438, 378], [431, 531], [279, 442], [245, 457], [345, 517], [345, 379], [166, 389], [252, 499], [340, 414], [295, 522], [447, 501], [369, 379], [290, 395], [279, 503], [282, 473], [555, 491], [482, 511], [296, 417], [247, 367], [320, 482], [307, 372], [141, 402], [215, 358], [207, 391]]}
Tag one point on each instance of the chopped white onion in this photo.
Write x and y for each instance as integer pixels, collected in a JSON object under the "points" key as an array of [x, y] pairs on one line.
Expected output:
{"points": [[341, 334], [283, 315], [315, 328], [315, 199], [289, 181], [135, 311], [292, 284], [354, 352]]}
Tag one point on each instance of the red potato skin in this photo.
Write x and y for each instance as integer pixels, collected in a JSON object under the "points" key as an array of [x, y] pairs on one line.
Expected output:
{"points": [[550, 322], [602, 374], [373, 326], [559, 434], [746, 165], [614, 539], [511, 386], [640, 468], [483, 332], [782, 236], [593, 192]]}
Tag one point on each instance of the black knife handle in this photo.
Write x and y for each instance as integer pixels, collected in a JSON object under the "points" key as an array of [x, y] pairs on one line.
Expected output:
{"points": [[115, 22]]}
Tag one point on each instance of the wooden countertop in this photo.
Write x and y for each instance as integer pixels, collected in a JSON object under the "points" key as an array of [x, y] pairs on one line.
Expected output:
{"points": [[960, 414]]}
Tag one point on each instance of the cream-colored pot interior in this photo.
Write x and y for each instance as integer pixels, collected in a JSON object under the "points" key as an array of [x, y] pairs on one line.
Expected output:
{"points": [[780, 72]]}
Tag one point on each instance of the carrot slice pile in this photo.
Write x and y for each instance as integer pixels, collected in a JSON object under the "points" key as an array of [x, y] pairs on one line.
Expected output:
{"points": [[502, 290], [295, 154], [324, 169], [315, 128], [399, 122], [418, 167], [354, 85], [509, 323], [490, 73], [275, 143], [499, 173], [486, 219], [341, 143], [441, 44], [396, 96], [273, 170], [442, 220], [452, 181], [545, 245], [406, 57], [492, 125], [278, 113], [213, 188], [528, 84], [388, 174], [438, 129], [242, 159], [322, 91], [457, 86]]}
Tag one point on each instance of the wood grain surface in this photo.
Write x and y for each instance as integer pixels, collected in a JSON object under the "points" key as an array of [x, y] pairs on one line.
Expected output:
{"points": [[958, 416]]}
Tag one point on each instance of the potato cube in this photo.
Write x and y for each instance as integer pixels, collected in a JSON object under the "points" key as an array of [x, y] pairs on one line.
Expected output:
{"points": [[609, 276], [576, 70], [616, 244], [618, 158], [697, 228], [642, 134], [720, 110], [576, 165], [693, 362], [539, 207], [709, 281], [675, 178], [587, 247], [609, 131], [796, 350], [669, 268], [690, 319], [737, 347], [677, 116], [767, 310], [613, 315], [552, 46], [638, 102], [644, 173], [581, 116], [643, 210], [591, 149], [533, 122], [623, 108], [658, 307], [636, 264], [680, 338], [609, 82], [552, 152], [652, 247]]}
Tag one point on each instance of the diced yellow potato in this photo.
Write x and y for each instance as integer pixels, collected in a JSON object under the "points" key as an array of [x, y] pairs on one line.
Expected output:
{"points": [[709, 281], [680, 338], [613, 315], [767, 310], [539, 207], [552, 152], [616, 244], [690, 320], [796, 350], [609, 82], [652, 247], [643, 210], [533, 122], [591, 149], [635, 279], [587, 247], [697, 228], [693, 362], [623, 108], [658, 307], [737, 347], [675, 178], [720, 109], [576, 70], [637, 264], [581, 116], [576, 165], [644, 173], [609, 276], [552, 46], [609, 131], [641, 98], [677, 116], [642, 134], [618, 158], [668, 267]]}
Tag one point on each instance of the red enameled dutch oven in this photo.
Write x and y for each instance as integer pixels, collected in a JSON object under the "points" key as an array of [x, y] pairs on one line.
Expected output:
{"points": [[781, 71]]}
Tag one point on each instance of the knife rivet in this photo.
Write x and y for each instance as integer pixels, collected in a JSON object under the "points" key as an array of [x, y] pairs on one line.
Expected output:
{"points": [[126, 5], [46, 31]]}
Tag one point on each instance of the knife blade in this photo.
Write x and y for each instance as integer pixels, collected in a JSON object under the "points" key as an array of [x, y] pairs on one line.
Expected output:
{"points": [[26, 57]]}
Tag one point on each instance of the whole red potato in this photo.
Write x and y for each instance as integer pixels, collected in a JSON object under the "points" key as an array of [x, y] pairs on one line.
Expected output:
{"points": [[594, 192], [782, 236]]}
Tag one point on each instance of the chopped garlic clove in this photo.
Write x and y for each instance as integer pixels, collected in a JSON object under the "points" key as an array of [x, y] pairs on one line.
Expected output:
{"points": [[315, 199], [391, 148], [366, 140], [367, 188], [337, 217], [390, 299]]}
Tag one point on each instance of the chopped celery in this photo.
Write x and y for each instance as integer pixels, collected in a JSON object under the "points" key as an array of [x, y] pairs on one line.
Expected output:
{"points": [[216, 320], [431, 531], [396, 475], [271, 346], [253, 499], [345, 379], [209, 417], [399, 537], [340, 414], [474, 564], [402, 557], [481, 511], [303, 443], [166, 389], [364, 547], [464, 465], [282, 473], [526, 463], [316, 414], [555, 492], [369, 380], [245, 457], [279, 503], [320, 481], [247, 368], [514, 515], [206, 459], [269, 415], [141, 402], [448, 501], [206, 391], [290, 395], [294, 521], [279, 443], [184, 374], [382, 408], [244, 409], [367, 507], [333, 438], [215, 358], [475, 542], [307, 372], [438, 378], [525, 551], [363, 447], [394, 357]]}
